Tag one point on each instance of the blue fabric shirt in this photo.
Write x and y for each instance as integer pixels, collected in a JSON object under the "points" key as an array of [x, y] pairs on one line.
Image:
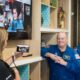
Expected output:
{"points": [[15, 25], [77, 75], [57, 71]]}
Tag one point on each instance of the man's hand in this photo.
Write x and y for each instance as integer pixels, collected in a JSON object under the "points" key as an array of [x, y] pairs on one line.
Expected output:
{"points": [[50, 55], [56, 58], [61, 61]]}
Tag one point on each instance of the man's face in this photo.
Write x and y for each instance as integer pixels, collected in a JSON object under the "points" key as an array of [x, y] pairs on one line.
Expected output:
{"points": [[62, 39]]}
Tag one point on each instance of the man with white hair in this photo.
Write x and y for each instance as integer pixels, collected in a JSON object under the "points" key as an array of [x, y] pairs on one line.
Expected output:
{"points": [[61, 59]]}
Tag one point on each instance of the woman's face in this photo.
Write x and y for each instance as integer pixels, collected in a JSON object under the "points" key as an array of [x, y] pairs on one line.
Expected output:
{"points": [[15, 14]]}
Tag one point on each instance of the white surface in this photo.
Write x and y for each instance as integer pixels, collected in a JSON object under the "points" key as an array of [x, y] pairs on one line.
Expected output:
{"points": [[27, 61], [25, 1], [22, 46], [48, 30]]}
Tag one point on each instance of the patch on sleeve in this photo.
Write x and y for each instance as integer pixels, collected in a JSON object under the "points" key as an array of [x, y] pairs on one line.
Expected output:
{"points": [[66, 57]]}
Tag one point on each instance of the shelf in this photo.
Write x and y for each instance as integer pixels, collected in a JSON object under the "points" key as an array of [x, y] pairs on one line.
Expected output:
{"points": [[28, 60], [45, 16], [47, 2], [53, 19], [48, 5], [53, 7], [65, 12], [53, 3], [48, 30]]}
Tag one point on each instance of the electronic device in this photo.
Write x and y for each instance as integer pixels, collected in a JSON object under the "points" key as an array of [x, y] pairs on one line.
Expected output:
{"points": [[22, 48], [16, 17]]}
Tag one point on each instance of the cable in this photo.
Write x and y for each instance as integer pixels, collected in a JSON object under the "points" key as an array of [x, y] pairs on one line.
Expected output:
{"points": [[13, 59]]}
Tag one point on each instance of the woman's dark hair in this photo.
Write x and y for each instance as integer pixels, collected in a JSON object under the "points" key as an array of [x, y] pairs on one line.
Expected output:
{"points": [[1, 10], [18, 6], [18, 12]]}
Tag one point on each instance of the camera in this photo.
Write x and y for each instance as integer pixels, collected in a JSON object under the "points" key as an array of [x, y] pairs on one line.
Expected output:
{"points": [[22, 48]]}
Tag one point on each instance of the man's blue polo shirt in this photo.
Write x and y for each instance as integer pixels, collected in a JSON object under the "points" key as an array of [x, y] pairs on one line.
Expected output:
{"points": [[57, 71]]}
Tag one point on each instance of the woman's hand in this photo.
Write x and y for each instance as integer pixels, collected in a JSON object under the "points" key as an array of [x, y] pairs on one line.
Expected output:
{"points": [[17, 75]]}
